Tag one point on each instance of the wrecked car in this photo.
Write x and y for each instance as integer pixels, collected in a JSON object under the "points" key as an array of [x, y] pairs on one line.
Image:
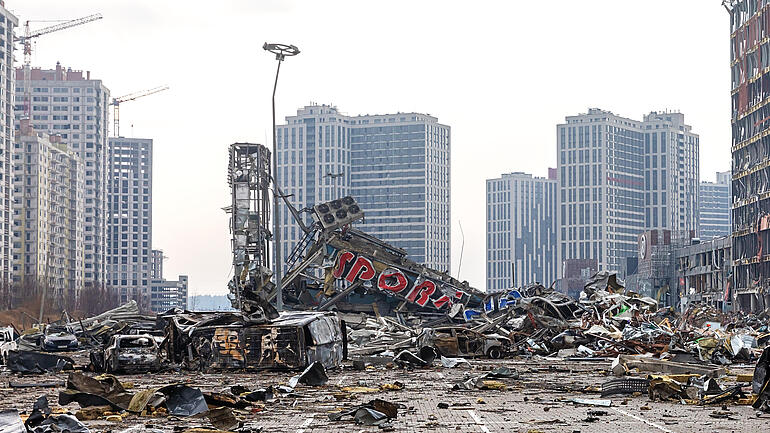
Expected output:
{"points": [[7, 336], [143, 329], [459, 341], [128, 354], [28, 341], [58, 338], [229, 341]]}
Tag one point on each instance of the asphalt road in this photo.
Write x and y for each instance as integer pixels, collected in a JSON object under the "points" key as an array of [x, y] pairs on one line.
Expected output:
{"points": [[538, 401]]}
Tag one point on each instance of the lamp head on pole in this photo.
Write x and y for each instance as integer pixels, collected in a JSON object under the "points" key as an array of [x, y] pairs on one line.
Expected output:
{"points": [[281, 51]]}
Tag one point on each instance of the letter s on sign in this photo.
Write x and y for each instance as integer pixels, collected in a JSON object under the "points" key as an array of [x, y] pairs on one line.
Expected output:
{"points": [[345, 257]]}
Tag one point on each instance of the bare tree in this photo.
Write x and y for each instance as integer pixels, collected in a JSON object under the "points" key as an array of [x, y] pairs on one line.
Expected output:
{"points": [[97, 298]]}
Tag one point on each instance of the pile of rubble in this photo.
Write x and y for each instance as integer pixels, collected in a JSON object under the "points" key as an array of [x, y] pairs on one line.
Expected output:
{"points": [[657, 352]]}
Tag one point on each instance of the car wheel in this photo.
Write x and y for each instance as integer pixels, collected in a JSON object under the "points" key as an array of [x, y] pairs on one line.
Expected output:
{"points": [[494, 352]]}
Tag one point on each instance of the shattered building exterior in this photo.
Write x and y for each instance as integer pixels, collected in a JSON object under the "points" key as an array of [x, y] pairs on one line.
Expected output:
{"points": [[656, 275], [704, 270], [70, 104], [677, 269], [750, 84], [49, 208], [8, 24], [521, 230], [619, 177], [129, 224], [396, 165], [714, 214]]}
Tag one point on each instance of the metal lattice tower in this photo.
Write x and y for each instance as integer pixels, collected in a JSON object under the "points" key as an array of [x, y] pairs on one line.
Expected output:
{"points": [[249, 180]]}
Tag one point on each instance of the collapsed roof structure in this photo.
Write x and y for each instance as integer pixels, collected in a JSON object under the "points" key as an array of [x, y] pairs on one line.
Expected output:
{"points": [[332, 261]]}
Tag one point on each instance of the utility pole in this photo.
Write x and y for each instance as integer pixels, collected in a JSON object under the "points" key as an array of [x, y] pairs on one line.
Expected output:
{"points": [[280, 51]]}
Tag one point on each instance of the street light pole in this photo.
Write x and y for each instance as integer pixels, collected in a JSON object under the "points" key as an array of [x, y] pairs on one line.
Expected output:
{"points": [[280, 51]]}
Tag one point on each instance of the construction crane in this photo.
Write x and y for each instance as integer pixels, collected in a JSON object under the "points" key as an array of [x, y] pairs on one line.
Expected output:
{"points": [[130, 97], [26, 41]]}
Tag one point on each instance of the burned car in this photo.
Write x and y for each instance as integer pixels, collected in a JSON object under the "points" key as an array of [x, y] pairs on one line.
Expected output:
{"points": [[57, 337], [223, 341], [459, 341], [128, 354]]}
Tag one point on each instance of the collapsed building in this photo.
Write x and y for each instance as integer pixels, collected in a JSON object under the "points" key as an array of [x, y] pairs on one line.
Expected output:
{"points": [[333, 263]]}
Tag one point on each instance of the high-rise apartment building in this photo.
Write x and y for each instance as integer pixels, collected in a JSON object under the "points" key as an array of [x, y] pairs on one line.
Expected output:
{"points": [[619, 177], [521, 231], [714, 218], [749, 63], [48, 217], [8, 23], [395, 165], [70, 104], [129, 227], [671, 173]]}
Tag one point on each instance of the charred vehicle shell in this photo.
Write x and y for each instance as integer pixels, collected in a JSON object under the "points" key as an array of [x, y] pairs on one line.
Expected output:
{"points": [[228, 341], [459, 341], [129, 353]]}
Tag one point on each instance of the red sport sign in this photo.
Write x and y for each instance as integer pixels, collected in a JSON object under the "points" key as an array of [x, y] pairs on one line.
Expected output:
{"points": [[394, 281]]}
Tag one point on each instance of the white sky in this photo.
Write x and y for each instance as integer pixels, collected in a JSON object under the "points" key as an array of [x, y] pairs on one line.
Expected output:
{"points": [[502, 74]]}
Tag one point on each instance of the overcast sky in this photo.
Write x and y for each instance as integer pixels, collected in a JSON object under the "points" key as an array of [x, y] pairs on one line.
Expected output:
{"points": [[502, 74]]}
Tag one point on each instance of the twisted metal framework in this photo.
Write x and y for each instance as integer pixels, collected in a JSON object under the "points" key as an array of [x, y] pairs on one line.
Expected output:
{"points": [[249, 180]]}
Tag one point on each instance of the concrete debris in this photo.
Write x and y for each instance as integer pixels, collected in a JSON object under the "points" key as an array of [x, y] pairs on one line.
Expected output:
{"points": [[360, 314]]}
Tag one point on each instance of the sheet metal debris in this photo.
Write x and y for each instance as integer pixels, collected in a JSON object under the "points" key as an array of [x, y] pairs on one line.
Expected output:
{"points": [[10, 422], [37, 362]]}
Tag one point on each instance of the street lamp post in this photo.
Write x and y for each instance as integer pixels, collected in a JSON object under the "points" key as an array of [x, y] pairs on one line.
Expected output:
{"points": [[281, 51]]}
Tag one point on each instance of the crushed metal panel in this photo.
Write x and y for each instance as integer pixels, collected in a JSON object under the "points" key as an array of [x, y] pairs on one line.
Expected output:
{"points": [[274, 347], [325, 346]]}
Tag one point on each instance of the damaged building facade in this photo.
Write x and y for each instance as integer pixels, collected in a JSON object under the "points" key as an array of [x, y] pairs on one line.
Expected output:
{"points": [[750, 88], [396, 165], [677, 269], [704, 270], [618, 177]]}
